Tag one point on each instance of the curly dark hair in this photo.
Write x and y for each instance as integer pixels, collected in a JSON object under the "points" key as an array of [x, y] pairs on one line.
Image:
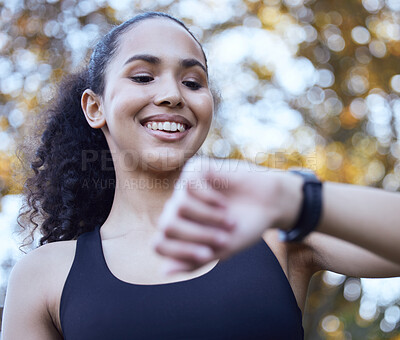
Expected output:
{"points": [[70, 190]]}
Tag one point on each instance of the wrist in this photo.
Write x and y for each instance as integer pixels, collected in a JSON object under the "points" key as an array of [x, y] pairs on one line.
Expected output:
{"points": [[288, 199], [310, 211]]}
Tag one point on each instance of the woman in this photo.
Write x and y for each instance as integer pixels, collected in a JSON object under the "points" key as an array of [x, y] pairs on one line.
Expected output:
{"points": [[147, 90]]}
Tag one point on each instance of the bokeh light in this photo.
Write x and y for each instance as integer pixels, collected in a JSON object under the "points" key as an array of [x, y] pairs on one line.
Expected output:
{"points": [[307, 83]]}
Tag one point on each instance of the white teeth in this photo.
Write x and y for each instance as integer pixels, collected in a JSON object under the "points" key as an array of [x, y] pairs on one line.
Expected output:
{"points": [[165, 126]]}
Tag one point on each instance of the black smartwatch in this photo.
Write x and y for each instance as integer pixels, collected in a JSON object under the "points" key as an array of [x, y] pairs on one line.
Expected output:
{"points": [[310, 211]]}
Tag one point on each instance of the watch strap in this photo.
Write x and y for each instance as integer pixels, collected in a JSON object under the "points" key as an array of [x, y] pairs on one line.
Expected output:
{"points": [[310, 211]]}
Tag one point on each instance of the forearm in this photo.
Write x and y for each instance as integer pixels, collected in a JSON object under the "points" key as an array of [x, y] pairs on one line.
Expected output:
{"points": [[367, 217], [258, 200]]}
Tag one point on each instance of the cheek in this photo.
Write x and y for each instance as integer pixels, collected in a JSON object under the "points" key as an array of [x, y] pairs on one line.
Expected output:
{"points": [[209, 113], [123, 103], [206, 107]]}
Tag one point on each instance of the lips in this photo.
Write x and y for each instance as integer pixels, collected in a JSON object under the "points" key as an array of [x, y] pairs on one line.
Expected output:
{"points": [[166, 117], [164, 135]]}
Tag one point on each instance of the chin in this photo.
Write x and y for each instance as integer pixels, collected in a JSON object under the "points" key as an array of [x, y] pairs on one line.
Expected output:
{"points": [[166, 161]]}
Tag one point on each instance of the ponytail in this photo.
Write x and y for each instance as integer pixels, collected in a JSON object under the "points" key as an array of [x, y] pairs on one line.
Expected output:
{"points": [[70, 190]]}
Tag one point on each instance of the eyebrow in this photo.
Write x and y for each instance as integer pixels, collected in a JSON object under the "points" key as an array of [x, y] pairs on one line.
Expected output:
{"points": [[185, 63]]}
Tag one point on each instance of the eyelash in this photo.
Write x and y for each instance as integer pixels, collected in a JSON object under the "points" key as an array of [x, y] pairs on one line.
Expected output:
{"points": [[193, 85], [138, 79]]}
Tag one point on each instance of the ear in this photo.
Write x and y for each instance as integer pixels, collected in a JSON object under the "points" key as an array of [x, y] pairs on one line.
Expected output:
{"points": [[91, 107]]}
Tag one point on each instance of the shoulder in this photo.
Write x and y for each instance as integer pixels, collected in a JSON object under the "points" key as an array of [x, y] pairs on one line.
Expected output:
{"points": [[297, 261], [42, 272], [299, 256], [34, 289], [41, 267], [44, 256]]}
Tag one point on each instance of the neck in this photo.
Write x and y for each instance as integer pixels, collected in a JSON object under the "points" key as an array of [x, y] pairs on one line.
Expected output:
{"points": [[138, 201]]}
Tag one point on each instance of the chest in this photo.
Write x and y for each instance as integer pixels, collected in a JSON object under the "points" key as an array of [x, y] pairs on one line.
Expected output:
{"points": [[245, 296], [252, 286]]}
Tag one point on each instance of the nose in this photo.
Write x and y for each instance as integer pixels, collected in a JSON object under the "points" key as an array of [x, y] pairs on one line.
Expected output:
{"points": [[169, 94]]}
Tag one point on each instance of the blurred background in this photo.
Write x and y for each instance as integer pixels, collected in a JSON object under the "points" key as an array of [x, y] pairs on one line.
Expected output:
{"points": [[304, 83]]}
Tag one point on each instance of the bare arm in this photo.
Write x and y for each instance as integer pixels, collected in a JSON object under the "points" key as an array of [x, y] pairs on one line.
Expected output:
{"points": [[367, 217], [26, 313], [331, 253], [258, 200]]}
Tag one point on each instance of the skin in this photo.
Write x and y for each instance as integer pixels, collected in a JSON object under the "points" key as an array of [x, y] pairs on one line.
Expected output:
{"points": [[368, 217], [271, 199], [36, 282], [260, 200]]}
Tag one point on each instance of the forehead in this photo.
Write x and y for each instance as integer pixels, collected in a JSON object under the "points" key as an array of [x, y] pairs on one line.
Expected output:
{"points": [[159, 37]]}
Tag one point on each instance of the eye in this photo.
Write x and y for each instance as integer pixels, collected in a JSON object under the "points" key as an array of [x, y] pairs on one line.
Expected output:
{"points": [[142, 79], [193, 85]]}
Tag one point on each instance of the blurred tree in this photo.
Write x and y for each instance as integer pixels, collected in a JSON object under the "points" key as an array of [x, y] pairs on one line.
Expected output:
{"points": [[319, 88]]}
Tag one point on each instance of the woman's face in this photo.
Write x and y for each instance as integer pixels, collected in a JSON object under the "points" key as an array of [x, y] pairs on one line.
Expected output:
{"points": [[156, 103]]}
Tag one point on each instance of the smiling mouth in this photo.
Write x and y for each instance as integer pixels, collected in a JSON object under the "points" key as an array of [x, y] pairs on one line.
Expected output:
{"points": [[166, 126]]}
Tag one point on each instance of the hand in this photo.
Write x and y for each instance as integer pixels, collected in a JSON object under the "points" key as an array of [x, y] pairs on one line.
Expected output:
{"points": [[222, 207]]}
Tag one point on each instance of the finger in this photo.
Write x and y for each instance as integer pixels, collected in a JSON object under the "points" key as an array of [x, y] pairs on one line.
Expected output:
{"points": [[171, 266], [191, 253], [192, 232], [208, 195], [216, 181], [198, 211]]}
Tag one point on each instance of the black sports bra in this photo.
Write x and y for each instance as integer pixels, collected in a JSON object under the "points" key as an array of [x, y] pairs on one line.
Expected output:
{"points": [[245, 297]]}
